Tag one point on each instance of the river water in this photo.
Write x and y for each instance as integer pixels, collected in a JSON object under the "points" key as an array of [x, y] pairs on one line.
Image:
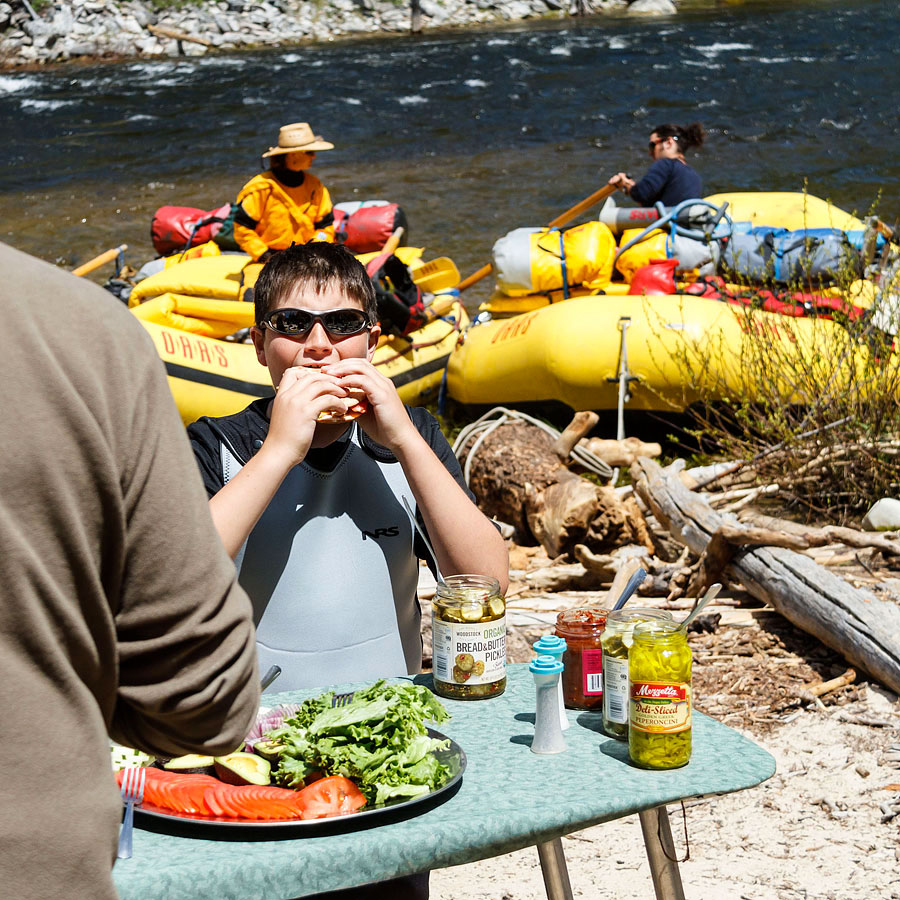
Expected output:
{"points": [[473, 132]]}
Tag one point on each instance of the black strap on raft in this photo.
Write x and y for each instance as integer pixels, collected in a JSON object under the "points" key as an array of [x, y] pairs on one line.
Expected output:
{"points": [[200, 223]]}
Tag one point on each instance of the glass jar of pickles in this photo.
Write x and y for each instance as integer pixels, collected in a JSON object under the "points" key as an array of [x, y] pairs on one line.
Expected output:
{"points": [[659, 714], [468, 628], [616, 642], [582, 630]]}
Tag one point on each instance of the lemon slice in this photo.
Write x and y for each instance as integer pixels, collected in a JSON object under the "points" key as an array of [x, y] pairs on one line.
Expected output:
{"points": [[497, 606], [471, 611]]}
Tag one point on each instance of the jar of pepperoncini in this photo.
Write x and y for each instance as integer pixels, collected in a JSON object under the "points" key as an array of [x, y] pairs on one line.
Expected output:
{"points": [[616, 642], [468, 628], [659, 714], [583, 672]]}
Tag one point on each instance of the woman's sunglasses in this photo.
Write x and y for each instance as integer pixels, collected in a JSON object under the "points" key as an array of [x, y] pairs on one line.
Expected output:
{"points": [[341, 323]]}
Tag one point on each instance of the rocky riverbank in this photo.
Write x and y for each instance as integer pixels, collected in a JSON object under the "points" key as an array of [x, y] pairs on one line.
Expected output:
{"points": [[57, 32]]}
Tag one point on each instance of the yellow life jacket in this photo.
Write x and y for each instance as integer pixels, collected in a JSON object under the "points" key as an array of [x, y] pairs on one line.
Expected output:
{"points": [[283, 214]]}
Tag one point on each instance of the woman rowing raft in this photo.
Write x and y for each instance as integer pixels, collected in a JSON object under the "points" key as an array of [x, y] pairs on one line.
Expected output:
{"points": [[670, 180]]}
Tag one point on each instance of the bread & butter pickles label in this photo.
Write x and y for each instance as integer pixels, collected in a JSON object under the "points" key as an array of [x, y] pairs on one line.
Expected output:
{"points": [[469, 653], [660, 707]]}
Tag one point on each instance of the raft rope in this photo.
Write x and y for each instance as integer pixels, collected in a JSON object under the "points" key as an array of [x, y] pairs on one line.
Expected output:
{"points": [[666, 216], [500, 415]]}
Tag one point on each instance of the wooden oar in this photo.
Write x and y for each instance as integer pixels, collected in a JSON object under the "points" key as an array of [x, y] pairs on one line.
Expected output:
{"points": [[390, 245], [566, 217], [100, 260]]}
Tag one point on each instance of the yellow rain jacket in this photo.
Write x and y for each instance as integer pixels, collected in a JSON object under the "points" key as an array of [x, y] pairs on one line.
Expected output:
{"points": [[273, 215]]}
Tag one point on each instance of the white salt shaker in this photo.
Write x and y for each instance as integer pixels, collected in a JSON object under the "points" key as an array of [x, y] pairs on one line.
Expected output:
{"points": [[553, 645], [548, 736]]}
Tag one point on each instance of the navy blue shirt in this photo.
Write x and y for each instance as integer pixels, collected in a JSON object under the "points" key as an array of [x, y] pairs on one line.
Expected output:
{"points": [[669, 181]]}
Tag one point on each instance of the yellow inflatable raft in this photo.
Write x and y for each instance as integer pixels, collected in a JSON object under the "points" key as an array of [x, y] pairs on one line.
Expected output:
{"points": [[662, 352], [194, 312]]}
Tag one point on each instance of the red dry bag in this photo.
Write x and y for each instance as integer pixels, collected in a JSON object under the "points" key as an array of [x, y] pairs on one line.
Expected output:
{"points": [[658, 277], [179, 227], [363, 227]]}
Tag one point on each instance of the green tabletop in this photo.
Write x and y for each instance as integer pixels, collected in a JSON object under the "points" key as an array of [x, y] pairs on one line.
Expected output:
{"points": [[509, 798]]}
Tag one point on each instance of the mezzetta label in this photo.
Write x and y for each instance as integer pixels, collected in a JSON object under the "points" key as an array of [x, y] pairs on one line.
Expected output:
{"points": [[660, 707]]}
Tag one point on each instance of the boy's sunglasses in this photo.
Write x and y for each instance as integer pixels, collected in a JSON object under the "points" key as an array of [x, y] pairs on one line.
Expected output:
{"points": [[341, 322]]}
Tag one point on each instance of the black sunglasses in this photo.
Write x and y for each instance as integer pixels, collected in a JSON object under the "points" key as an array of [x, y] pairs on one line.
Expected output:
{"points": [[342, 322]]}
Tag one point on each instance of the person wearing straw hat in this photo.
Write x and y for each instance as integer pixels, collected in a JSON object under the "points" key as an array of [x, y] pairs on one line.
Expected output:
{"points": [[287, 204]]}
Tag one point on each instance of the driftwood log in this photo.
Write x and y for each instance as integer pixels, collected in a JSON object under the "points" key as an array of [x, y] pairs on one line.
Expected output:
{"points": [[175, 35], [621, 452], [518, 476], [854, 622]]}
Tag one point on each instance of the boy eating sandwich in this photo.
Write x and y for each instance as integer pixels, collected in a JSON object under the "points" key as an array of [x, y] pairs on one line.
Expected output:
{"points": [[307, 490]]}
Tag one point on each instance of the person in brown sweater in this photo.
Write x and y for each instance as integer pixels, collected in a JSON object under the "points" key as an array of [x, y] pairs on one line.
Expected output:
{"points": [[120, 615]]}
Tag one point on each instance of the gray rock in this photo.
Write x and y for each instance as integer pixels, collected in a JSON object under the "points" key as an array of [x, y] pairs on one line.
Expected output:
{"points": [[35, 28], [142, 15], [394, 20], [652, 8], [73, 28], [81, 48], [259, 16], [149, 46], [63, 21], [132, 26], [518, 9]]}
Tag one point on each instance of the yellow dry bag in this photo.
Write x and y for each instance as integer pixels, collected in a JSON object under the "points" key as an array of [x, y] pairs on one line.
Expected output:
{"points": [[533, 260]]}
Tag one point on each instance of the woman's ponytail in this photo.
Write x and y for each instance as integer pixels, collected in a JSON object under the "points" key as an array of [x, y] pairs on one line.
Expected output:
{"points": [[687, 136]]}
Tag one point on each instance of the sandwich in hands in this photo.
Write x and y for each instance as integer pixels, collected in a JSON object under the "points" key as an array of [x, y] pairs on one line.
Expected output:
{"points": [[336, 416]]}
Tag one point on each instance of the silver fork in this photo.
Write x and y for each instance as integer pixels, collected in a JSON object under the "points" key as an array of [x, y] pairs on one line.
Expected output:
{"points": [[341, 699], [132, 792]]}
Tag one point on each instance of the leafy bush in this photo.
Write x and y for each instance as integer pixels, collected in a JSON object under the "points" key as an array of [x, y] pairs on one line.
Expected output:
{"points": [[812, 402]]}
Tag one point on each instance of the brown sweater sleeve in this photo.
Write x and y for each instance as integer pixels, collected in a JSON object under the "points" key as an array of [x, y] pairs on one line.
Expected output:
{"points": [[187, 659]]}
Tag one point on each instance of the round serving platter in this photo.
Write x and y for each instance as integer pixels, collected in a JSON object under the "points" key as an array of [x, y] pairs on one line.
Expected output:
{"points": [[453, 757]]}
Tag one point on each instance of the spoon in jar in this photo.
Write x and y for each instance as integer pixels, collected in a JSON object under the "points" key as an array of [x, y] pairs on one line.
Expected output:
{"points": [[269, 677], [707, 597], [632, 585]]}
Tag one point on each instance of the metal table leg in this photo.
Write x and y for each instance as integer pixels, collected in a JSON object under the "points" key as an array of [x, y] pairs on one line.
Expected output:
{"points": [[553, 867], [661, 854]]}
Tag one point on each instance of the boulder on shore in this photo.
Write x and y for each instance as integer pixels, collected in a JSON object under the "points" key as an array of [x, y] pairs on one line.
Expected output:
{"points": [[69, 29]]}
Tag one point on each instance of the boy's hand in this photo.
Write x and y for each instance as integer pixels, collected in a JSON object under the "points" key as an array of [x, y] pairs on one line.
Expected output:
{"points": [[302, 395], [386, 421]]}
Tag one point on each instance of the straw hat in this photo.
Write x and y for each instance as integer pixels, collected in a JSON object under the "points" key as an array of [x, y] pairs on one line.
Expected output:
{"points": [[299, 136]]}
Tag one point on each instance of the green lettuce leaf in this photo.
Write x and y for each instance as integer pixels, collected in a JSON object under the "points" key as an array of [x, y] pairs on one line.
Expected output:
{"points": [[379, 740]]}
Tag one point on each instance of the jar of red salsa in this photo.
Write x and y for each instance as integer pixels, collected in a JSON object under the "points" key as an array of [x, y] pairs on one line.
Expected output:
{"points": [[583, 660]]}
